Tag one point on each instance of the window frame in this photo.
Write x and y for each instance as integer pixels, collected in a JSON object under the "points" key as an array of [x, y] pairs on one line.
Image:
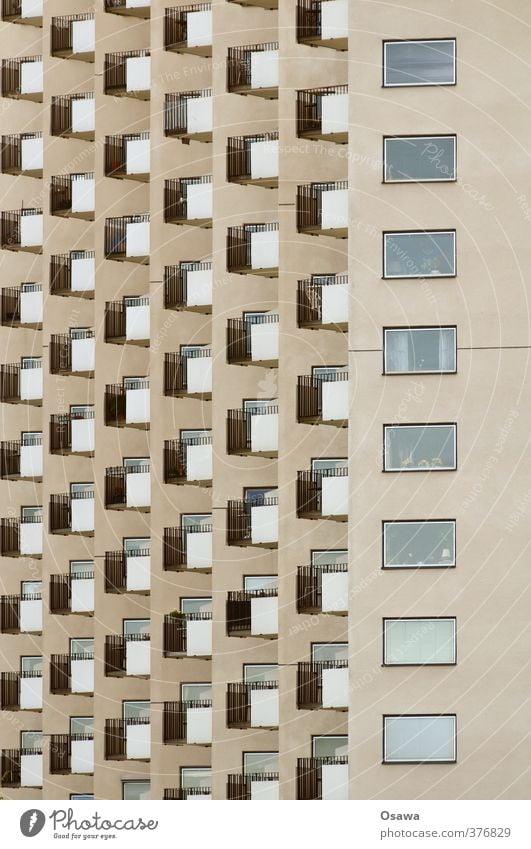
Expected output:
{"points": [[387, 139], [416, 469], [134, 781], [434, 232], [417, 716], [387, 41], [410, 328], [386, 522], [391, 665]]}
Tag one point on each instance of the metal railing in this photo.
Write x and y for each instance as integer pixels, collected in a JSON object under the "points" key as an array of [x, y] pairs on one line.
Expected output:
{"points": [[176, 283], [239, 245], [176, 24], [239, 428], [310, 394], [310, 681], [175, 458], [116, 234], [310, 775], [176, 197], [310, 297], [10, 228], [239, 701], [115, 486], [12, 75], [115, 70], [115, 159], [61, 113], [10, 690], [115, 651], [11, 152], [60, 673], [239, 74], [10, 306], [310, 585], [238, 610], [239, 155], [174, 634], [61, 272], [310, 489], [309, 204], [309, 109], [174, 719], [239, 786], [10, 614], [61, 32], [176, 111], [115, 736], [115, 572], [9, 537]]}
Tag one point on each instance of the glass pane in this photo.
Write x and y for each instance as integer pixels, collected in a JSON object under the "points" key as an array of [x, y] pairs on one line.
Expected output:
{"points": [[135, 710], [81, 487], [257, 762], [31, 512], [84, 646], [31, 588], [419, 738], [257, 494], [196, 605], [329, 651], [31, 664], [419, 641], [420, 447], [81, 567], [131, 382], [191, 435], [261, 582], [78, 797], [188, 520], [135, 790], [135, 461], [136, 543], [323, 371], [258, 404], [419, 62], [420, 158], [329, 558], [420, 349], [329, 747], [81, 724], [419, 544], [326, 464], [429, 254], [192, 777], [31, 739], [196, 692], [260, 672], [136, 626]]}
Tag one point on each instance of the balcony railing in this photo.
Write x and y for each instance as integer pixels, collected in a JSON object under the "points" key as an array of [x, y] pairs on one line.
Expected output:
{"points": [[175, 632], [318, 593], [177, 378], [183, 793], [63, 751], [12, 542], [242, 438], [73, 115], [62, 360], [64, 435], [240, 707], [12, 768], [322, 208], [10, 614], [13, 388], [16, 463], [22, 154], [310, 492], [21, 691], [183, 204], [127, 238], [115, 653], [116, 495], [188, 286], [239, 786], [253, 249], [317, 404], [21, 230], [73, 36], [322, 113], [72, 593], [64, 518], [127, 156], [116, 405], [19, 12], [310, 775], [240, 333], [117, 577], [72, 274], [250, 73], [22, 305], [60, 674], [72, 196], [10, 690], [116, 329], [179, 553], [240, 523], [176, 728], [182, 35], [21, 614], [322, 23], [20, 86], [253, 160], [239, 613], [322, 301], [127, 74], [180, 467], [136, 8], [188, 115], [116, 743], [310, 685]]}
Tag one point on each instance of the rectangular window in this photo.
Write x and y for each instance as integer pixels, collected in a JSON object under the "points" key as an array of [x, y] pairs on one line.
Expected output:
{"points": [[329, 746], [418, 544], [260, 762], [135, 791], [415, 448], [419, 253], [419, 158], [420, 62], [420, 739], [420, 349], [416, 642]]}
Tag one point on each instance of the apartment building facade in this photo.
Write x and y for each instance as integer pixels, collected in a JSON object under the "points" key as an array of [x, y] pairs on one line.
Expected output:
{"points": [[263, 370]]}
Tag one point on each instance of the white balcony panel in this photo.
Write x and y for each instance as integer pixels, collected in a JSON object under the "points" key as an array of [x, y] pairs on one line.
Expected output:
{"points": [[82, 515], [264, 249], [199, 725], [31, 770], [31, 9], [264, 791], [137, 323], [334, 782], [264, 708], [31, 461], [199, 638], [31, 151], [198, 201], [264, 341], [264, 69], [334, 112], [137, 156], [83, 115], [199, 287], [31, 538], [31, 384], [199, 375], [138, 742], [82, 677], [264, 616], [138, 489], [199, 462], [82, 435], [83, 274], [31, 307], [334, 19], [200, 797], [138, 657], [82, 757], [137, 238], [335, 496], [334, 300], [31, 77], [31, 618], [198, 550], [31, 230], [83, 36], [199, 114], [264, 523], [199, 28], [82, 600], [83, 354], [138, 73], [334, 597], [335, 688], [138, 4], [264, 159], [30, 694], [138, 574], [83, 194], [137, 406], [264, 432], [334, 208], [335, 400]]}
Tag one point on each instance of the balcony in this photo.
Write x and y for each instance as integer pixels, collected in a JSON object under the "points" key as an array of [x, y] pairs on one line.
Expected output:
{"points": [[21, 383], [127, 321], [322, 113], [187, 723], [188, 29], [135, 8], [72, 433], [253, 249], [128, 739], [323, 589], [322, 208], [21, 306], [127, 404], [188, 115], [127, 238], [260, 786], [188, 201], [73, 353], [253, 340], [323, 494], [21, 691], [21, 537], [23, 12], [253, 522], [73, 593], [72, 674], [252, 613], [128, 156], [73, 36], [323, 23], [73, 196], [187, 635], [189, 374], [188, 461], [74, 116], [195, 786], [127, 655], [128, 571], [253, 705], [21, 768], [323, 397], [22, 78], [21, 614], [253, 160], [21, 459], [72, 754], [128, 487], [323, 302], [73, 273], [322, 778], [72, 513], [188, 547], [188, 286], [128, 74], [253, 69], [22, 154], [253, 431], [323, 684], [21, 230]]}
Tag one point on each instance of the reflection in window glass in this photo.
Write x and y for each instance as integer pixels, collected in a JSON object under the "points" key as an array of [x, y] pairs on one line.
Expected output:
{"points": [[258, 762], [419, 544], [419, 738], [135, 791], [420, 447], [419, 641], [419, 254], [425, 349], [419, 158], [430, 62], [330, 747]]}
